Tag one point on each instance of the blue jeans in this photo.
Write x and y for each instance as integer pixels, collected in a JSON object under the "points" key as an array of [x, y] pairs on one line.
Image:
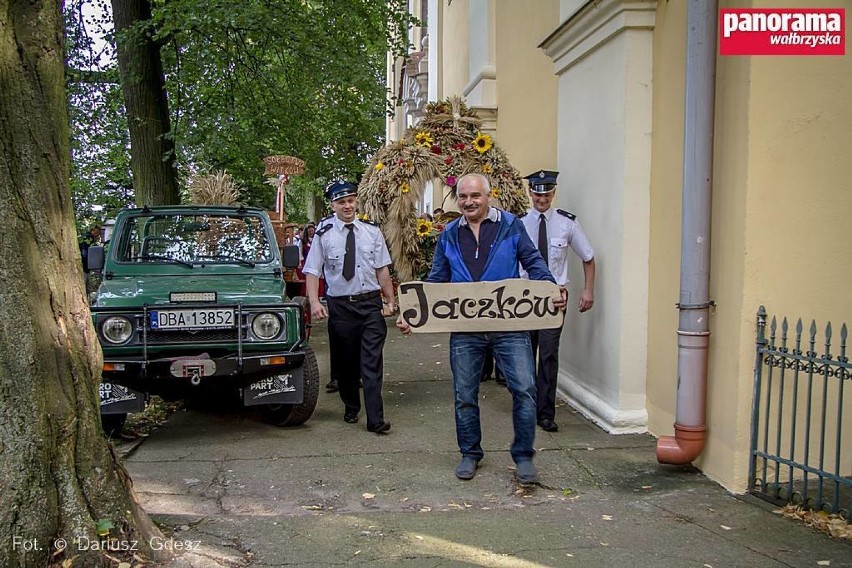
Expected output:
{"points": [[513, 353]]}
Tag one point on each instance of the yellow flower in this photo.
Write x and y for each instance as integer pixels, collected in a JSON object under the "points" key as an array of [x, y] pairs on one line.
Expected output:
{"points": [[379, 166], [495, 192], [405, 188], [482, 142], [424, 227], [423, 138], [486, 169]]}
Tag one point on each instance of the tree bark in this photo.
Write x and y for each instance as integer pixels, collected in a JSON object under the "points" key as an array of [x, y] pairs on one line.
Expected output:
{"points": [[152, 149], [58, 474]]}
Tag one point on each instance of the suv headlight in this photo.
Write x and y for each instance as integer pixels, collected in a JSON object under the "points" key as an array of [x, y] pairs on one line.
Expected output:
{"points": [[265, 325], [117, 329]]}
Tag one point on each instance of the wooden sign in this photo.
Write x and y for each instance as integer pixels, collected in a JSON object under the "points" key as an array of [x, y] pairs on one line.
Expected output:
{"points": [[505, 305], [283, 165]]}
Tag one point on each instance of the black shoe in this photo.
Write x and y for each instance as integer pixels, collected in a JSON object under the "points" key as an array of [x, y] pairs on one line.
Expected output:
{"points": [[350, 417], [467, 468], [548, 425], [332, 386], [526, 473], [379, 428]]}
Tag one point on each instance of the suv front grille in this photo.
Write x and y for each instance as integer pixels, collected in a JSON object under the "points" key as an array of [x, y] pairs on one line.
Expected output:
{"points": [[184, 336]]}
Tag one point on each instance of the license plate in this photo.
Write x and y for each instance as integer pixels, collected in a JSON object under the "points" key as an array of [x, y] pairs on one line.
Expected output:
{"points": [[192, 319]]}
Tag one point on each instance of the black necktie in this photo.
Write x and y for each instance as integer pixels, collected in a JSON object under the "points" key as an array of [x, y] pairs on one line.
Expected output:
{"points": [[542, 237], [349, 258]]}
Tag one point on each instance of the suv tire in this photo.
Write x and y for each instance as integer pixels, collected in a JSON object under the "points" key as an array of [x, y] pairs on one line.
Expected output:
{"points": [[296, 414], [112, 424]]}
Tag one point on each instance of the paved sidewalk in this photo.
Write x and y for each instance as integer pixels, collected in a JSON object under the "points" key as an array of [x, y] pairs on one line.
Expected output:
{"points": [[330, 493]]}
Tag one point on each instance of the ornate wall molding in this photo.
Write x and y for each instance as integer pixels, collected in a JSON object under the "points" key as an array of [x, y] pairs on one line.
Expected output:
{"points": [[595, 24]]}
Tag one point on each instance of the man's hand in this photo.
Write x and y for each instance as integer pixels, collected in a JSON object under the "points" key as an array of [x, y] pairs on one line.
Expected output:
{"points": [[388, 309], [318, 311], [587, 299], [562, 301], [403, 326]]}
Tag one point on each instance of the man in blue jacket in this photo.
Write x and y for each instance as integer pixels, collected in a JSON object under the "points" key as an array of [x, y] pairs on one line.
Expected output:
{"points": [[488, 244]]}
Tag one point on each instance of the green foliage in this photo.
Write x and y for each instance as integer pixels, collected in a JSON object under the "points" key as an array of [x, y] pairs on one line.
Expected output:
{"points": [[250, 79], [103, 526], [101, 182]]}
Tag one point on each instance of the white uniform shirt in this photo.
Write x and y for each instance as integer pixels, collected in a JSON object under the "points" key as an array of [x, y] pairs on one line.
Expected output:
{"points": [[562, 232], [328, 250]]}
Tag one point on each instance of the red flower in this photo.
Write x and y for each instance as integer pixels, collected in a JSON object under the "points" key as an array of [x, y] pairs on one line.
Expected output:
{"points": [[448, 161], [460, 146], [451, 181], [436, 149]]}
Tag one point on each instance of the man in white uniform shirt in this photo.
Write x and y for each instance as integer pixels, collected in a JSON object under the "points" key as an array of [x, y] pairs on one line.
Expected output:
{"points": [[354, 258], [554, 231]]}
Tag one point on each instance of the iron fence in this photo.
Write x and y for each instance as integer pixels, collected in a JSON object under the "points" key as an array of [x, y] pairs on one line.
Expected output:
{"points": [[800, 415]]}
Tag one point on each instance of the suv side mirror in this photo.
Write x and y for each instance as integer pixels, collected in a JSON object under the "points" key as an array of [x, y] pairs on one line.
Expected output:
{"points": [[95, 258], [290, 256]]}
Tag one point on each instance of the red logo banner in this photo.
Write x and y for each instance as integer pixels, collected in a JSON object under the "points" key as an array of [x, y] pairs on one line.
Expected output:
{"points": [[779, 31]]}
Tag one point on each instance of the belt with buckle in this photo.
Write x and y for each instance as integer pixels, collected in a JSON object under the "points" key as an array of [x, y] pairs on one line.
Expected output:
{"points": [[359, 297]]}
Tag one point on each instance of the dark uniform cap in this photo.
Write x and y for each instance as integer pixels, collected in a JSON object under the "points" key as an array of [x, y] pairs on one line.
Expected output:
{"points": [[542, 181], [339, 189]]}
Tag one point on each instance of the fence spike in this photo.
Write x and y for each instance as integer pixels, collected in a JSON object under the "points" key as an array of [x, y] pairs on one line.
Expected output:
{"points": [[828, 331], [773, 326], [843, 335], [813, 330], [799, 327]]}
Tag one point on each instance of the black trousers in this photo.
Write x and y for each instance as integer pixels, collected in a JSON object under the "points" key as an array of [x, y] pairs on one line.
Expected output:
{"points": [[545, 344], [356, 338]]}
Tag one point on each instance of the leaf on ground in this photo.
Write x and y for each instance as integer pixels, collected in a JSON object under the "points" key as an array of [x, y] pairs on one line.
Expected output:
{"points": [[425, 509], [312, 507], [103, 526], [368, 495], [606, 517], [725, 527], [823, 562], [830, 523]]}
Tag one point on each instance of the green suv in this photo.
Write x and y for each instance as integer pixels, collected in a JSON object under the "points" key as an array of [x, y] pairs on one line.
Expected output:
{"points": [[192, 298]]}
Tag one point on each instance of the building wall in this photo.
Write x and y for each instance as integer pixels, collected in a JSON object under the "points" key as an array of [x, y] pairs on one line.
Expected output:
{"points": [[526, 84], [454, 44], [603, 58], [777, 234]]}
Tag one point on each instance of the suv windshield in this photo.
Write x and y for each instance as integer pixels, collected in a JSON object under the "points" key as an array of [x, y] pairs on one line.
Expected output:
{"points": [[190, 239]]}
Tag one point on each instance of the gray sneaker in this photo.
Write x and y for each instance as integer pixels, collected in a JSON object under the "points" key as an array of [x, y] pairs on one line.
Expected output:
{"points": [[526, 472], [466, 468]]}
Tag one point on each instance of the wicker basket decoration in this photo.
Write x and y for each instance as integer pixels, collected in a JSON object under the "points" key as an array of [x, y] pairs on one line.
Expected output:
{"points": [[445, 145]]}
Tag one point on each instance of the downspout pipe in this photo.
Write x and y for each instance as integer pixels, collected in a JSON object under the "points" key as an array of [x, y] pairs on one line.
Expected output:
{"points": [[694, 306]]}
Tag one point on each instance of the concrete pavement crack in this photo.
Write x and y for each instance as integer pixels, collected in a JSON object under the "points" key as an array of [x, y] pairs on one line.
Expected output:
{"points": [[723, 536]]}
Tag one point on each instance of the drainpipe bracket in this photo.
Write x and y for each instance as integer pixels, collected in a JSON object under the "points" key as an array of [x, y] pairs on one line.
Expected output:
{"points": [[701, 306]]}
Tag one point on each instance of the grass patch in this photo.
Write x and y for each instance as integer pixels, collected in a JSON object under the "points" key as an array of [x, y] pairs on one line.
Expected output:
{"points": [[157, 411]]}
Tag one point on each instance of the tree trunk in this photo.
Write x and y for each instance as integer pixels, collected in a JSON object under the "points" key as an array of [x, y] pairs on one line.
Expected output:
{"points": [[152, 149], [58, 475]]}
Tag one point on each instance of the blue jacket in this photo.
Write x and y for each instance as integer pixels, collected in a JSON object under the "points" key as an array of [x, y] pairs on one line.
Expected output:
{"points": [[512, 245]]}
